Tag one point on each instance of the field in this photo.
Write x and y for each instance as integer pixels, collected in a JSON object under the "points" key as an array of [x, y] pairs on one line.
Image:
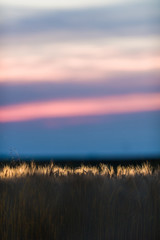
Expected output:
{"points": [[79, 203]]}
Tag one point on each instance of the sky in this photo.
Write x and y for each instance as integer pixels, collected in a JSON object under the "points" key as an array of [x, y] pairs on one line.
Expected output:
{"points": [[61, 4], [80, 78]]}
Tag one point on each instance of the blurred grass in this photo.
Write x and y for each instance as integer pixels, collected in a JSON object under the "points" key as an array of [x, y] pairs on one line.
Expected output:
{"points": [[84, 203]]}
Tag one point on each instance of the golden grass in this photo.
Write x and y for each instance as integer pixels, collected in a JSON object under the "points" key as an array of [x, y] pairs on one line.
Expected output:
{"points": [[85, 203], [25, 169]]}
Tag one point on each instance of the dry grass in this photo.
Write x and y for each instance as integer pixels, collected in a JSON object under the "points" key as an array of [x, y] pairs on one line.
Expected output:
{"points": [[51, 169], [85, 203]]}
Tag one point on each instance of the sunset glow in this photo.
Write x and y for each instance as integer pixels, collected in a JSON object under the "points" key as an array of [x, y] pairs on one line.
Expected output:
{"points": [[73, 69], [77, 62], [81, 107]]}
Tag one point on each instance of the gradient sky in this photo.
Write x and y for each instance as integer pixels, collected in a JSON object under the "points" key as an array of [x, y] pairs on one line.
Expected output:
{"points": [[80, 78]]}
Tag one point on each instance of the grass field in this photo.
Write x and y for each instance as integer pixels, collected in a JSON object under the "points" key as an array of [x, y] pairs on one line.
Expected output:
{"points": [[83, 203]]}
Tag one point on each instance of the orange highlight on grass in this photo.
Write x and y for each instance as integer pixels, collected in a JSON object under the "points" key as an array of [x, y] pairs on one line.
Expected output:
{"points": [[81, 107]]}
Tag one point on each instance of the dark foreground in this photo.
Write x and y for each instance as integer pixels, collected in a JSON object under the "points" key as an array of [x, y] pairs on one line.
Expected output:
{"points": [[96, 203]]}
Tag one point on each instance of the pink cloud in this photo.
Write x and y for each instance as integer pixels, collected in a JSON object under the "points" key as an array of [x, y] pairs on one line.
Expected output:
{"points": [[73, 69], [74, 62], [81, 107]]}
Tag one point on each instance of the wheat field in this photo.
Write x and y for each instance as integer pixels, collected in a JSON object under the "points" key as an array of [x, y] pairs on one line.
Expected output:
{"points": [[81, 203]]}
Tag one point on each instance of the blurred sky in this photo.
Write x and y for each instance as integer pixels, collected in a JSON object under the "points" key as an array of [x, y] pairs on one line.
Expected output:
{"points": [[80, 78]]}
